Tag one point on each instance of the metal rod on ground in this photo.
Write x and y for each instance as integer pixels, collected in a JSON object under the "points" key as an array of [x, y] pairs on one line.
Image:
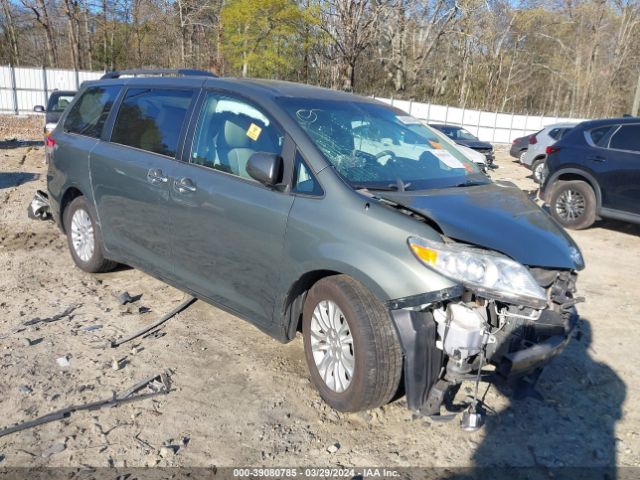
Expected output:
{"points": [[125, 397], [164, 318]]}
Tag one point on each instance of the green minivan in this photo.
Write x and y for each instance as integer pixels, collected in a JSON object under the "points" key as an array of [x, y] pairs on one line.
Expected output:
{"points": [[302, 209]]}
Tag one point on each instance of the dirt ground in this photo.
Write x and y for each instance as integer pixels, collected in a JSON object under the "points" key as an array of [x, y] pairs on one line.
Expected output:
{"points": [[239, 398]]}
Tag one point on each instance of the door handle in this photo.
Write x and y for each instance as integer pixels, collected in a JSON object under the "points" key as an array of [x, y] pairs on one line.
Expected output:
{"points": [[597, 158], [185, 185], [155, 176]]}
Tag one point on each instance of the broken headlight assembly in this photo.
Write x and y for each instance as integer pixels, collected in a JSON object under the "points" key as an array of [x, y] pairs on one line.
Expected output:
{"points": [[484, 272]]}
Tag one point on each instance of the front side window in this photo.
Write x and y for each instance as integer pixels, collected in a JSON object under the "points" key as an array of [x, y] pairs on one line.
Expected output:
{"points": [[626, 138], [152, 119], [229, 131], [379, 147], [304, 181], [89, 113]]}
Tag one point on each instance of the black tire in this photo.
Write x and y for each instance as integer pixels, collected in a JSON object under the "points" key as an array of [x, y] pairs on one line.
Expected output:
{"points": [[534, 166], [376, 349], [585, 195], [96, 262]]}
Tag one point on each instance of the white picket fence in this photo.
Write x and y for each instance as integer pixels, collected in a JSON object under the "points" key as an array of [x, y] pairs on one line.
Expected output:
{"points": [[23, 88]]}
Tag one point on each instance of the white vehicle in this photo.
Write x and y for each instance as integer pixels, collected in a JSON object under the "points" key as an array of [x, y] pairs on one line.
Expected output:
{"points": [[536, 153]]}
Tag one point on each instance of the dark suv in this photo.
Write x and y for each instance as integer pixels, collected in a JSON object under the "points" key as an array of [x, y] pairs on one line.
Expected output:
{"points": [[289, 206], [594, 171]]}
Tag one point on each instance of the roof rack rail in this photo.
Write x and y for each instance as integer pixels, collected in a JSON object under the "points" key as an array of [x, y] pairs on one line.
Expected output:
{"points": [[186, 72]]}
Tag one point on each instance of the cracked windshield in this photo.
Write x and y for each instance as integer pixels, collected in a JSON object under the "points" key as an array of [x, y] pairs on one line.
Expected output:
{"points": [[382, 148]]}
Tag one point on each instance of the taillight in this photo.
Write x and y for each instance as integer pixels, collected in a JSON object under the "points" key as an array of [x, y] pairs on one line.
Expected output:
{"points": [[533, 140], [551, 149], [49, 142]]}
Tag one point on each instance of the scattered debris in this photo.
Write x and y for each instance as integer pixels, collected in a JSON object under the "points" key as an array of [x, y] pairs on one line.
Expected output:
{"points": [[25, 389], [125, 298], [334, 447], [163, 319], [91, 328], [26, 342], [37, 320], [143, 309], [63, 362], [39, 207], [158, 385], [115, 363], [168, 451], [68, 311]]}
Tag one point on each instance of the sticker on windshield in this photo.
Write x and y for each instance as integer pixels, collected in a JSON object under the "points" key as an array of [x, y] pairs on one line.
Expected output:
{"points": [[448, 159], [435, 144], [409, 120], [253, 132]]}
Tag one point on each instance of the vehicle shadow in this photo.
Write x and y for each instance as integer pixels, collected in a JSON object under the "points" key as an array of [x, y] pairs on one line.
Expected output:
{"points": [[7, 144], [15, 179], [618, 226], [569, 434]]}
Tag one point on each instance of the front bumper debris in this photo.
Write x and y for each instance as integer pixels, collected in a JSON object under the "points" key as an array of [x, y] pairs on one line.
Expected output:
{"points": [[39, 207], [457, 338]]}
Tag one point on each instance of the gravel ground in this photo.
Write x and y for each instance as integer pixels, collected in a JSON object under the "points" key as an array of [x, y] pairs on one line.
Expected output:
{"points": [[240, 398]]}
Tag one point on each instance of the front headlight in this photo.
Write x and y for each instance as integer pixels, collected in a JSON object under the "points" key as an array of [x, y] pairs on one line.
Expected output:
{"points": [[487, 273]]}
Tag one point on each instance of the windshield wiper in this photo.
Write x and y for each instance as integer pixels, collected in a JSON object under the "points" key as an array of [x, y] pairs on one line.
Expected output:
{"points": [[374, 188], [399, 186]]}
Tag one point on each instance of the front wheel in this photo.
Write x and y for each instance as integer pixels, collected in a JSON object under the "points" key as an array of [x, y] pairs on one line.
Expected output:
{"points": [[573, 204], [83, 236], [350, 345]]}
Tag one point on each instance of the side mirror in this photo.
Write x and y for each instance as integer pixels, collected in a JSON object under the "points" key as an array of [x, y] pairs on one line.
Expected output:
{"points": [[265, 167], [38, 109]]}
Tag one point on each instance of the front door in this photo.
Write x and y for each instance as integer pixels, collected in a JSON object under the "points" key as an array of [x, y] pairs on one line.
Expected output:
{"points": [[228, 228], [620, 167], [131, 177]]}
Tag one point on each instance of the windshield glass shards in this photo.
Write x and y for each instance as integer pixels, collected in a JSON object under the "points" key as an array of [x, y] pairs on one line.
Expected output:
{"points": [[378, 147]]}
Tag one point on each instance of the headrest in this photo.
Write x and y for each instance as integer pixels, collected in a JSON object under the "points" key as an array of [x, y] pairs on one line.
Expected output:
{"points": [[235, 133]]}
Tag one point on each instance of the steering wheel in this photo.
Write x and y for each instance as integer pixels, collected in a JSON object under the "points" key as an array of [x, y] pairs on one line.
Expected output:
{"points": [[385, 153]]}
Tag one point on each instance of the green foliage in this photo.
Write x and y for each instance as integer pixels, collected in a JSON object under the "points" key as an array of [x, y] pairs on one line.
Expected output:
{"points": [[261, 37]]}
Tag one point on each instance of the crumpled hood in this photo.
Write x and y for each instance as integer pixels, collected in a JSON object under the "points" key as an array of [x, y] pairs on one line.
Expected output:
{"points": [[496, 216]]}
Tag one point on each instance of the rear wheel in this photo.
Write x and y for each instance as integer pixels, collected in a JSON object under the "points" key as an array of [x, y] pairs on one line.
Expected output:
{"points": [[350, 344], [521, 157], [538, 171], [573, 204], [83, 236]]}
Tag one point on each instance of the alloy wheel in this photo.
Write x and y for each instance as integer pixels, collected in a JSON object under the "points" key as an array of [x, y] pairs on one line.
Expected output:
{"points": [[332, 346], [82, 236], [570, 205]]}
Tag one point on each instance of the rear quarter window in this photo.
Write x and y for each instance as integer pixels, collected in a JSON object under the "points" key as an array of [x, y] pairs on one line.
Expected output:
{"points": [[600, 136], [90, 112], [152, 119]]}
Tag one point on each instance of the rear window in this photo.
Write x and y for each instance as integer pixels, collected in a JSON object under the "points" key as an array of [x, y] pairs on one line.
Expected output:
{"points": [[626, 138], [58, 102], [152, 119], [88, 114]]}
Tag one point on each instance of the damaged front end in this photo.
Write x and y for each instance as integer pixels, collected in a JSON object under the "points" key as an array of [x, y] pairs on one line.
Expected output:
{"points": [[470, 332]]}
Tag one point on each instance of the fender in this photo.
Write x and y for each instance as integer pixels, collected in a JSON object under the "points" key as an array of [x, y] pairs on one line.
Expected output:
{"points": [[577, 171]]}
